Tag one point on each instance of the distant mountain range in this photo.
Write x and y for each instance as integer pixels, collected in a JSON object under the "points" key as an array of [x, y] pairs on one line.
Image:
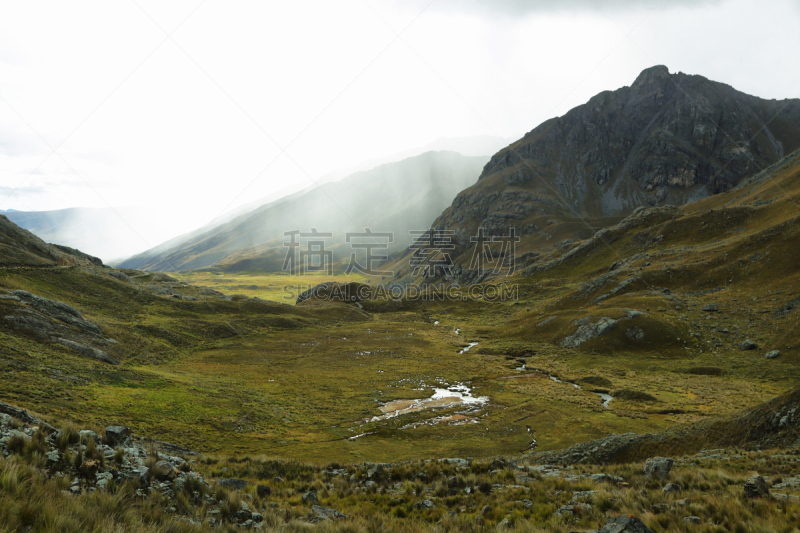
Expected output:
{"points": [[395, 197], [474, 145], [666, 139]]}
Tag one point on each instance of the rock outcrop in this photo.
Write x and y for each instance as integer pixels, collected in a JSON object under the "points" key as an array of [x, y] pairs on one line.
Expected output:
{"points": [[658, 467], [60, 323], [586, 332], [666, 139]]}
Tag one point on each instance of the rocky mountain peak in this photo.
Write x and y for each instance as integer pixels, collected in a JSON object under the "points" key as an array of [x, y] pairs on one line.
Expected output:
{"points": [[668, 139], [649, 77]]}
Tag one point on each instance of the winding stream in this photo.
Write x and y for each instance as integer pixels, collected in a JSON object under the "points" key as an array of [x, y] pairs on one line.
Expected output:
{"points": [[606, 397]]}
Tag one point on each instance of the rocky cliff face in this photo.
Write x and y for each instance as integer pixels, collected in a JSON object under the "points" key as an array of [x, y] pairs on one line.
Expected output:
{"points": [[666, 139]]}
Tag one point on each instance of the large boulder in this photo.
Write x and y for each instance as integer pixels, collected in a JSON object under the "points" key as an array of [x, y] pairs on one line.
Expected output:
{"points": [[748, 345], [87, 434], [658, 467], [164, 471], [625, 524], [424, 504], [756, 487], [375, 472], [326, 513], [232, 483], [118, 435], [310, 497]]}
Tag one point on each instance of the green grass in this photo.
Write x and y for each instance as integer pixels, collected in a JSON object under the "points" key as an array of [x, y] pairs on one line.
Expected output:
{"points": [[298, 381], [231, 375], [711, 490]]}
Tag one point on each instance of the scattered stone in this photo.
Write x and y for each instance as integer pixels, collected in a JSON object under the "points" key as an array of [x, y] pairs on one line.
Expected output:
{"points": [[232, 483], [497, 464], [748, 345], [671, 487], [310, 497], [118, 435], [460, 463], [635, 333], [605, 478], [710, 308], [625, 524], [773, 354], [143, 473], [658, 467], [692, 520], [424, 504], [375, 472], [505, 523], [660, 508], [165, 471], [527, 504], [565, 511], [263, 491], [326, 513], [87, 434], [119, 275]]}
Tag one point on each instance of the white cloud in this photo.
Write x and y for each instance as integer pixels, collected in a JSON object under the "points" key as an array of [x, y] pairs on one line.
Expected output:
{"points": [[189, 126]]}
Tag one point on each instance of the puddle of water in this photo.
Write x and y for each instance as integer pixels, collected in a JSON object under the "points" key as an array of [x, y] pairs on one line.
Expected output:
{"points": [[435, 322], [467, 348], [457, 394], [458, 331]]}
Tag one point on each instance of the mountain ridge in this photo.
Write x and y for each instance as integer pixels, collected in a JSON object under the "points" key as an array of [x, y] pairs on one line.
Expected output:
{"points": [[666, 139], [386, 199]]}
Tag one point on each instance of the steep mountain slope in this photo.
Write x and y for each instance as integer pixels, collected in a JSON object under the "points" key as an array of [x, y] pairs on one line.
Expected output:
{"points": [[103, 232], [395, 197], [666, 139], [20, 247]]}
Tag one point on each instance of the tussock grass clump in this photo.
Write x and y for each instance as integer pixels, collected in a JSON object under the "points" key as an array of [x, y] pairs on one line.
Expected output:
{"points": [[633, 395], [67, 436], [31, 502]]}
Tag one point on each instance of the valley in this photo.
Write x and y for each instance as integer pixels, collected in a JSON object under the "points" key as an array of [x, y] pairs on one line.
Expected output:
{"points": [[645, 315]]}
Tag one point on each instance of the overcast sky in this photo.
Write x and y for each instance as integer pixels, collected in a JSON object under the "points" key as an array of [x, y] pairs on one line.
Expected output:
{"points": [[197, 107]]}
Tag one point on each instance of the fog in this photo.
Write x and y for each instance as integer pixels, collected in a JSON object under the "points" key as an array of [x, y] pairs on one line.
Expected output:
{"points": [[172, 116]]}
